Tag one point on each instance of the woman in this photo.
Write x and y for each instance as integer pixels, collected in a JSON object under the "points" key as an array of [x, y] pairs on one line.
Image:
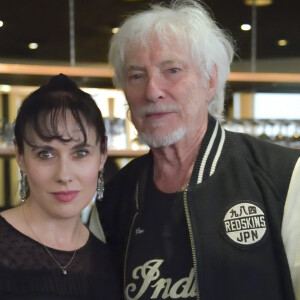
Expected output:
{"points": [[45, 250]]}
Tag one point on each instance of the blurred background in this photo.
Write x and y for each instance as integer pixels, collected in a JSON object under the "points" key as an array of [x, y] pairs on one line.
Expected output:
{"points": [[41, 38]]}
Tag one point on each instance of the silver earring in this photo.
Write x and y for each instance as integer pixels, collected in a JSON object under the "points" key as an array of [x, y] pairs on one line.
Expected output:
{"points": [[23, 188], [100, 185]]}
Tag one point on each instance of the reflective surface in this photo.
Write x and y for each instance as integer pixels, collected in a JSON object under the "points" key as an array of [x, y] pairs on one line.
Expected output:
{"points": [[282, 132]]}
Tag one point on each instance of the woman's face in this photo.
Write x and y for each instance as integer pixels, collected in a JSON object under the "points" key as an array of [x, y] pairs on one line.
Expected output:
{"points": [[62, 176]]}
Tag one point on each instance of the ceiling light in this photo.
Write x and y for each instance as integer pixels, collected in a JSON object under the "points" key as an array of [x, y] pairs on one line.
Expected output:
{"points": [[1, 23], [115, 30], [33, 46], [246, 27], [258, 2], [282, 43], [5, 88]]}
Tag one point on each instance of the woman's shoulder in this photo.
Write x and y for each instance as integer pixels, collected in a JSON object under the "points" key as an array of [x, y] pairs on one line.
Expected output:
{"points": [[9, 223], [12, 217]]}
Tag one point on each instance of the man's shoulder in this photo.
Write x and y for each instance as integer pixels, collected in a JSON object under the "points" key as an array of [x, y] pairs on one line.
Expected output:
{"points": [[118, 205], [266, 149], [128, 175], [275, 160]]}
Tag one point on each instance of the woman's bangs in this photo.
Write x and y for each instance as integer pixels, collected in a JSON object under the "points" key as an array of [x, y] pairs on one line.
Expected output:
{"points": [[53, 124]]}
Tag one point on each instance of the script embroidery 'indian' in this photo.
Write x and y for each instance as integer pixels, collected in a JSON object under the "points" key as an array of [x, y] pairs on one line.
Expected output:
{"points": [[163, 288]]}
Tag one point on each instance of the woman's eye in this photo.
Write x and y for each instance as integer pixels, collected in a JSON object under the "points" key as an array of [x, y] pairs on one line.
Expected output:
{"points": [[45, 155], [80, 153]]}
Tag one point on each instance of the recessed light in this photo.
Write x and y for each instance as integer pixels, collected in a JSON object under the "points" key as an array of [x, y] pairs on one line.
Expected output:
{"points": [[1, 23], [115, 30], [282, 43], [33, 46], [246, 27], [258, 2]]}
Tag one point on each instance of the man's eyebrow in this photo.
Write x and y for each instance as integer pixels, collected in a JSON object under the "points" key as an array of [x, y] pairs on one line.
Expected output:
{"points": [[163, 63], [170, 61], [135, 68]]}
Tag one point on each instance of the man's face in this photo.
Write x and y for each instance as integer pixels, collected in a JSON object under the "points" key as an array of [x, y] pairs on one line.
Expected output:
{"points": [[166, 95]]}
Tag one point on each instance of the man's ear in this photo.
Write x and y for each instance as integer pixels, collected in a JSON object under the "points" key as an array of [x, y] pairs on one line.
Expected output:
{"points": [[212, 83]]}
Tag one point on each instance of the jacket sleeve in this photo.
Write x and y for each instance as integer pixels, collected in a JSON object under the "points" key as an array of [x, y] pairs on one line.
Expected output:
{"points": [[111, 217], [95, 225], [291, 228]]}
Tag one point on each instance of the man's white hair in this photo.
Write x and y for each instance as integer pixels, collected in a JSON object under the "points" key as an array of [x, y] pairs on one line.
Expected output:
{"points": [[187, 23]]}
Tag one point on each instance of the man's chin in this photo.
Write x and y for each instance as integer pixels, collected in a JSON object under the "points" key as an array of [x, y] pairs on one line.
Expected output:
{"points": [[162, 140]]}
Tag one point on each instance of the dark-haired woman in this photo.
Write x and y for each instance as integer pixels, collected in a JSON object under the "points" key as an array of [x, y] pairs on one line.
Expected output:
{"points": [[45, 250]]}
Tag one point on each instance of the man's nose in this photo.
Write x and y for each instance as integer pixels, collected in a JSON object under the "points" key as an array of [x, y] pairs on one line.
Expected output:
{"points": [[154, 89]]}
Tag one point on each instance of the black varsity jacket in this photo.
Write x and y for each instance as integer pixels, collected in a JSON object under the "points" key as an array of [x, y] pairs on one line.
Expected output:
{"points": [[234, 208]]}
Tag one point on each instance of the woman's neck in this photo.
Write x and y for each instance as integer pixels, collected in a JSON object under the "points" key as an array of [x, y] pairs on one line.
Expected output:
{"points": [[62, 234]]}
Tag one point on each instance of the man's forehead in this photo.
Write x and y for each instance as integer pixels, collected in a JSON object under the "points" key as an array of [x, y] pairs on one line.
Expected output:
{"points": [[137, 57], [136, 64]]}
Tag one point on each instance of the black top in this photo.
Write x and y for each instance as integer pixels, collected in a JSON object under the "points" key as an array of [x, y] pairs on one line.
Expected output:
{"points": [[27, 271], [159, 257]]}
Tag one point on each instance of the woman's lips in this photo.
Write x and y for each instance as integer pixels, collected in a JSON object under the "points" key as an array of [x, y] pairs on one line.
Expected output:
{"points": [[65, 196]]}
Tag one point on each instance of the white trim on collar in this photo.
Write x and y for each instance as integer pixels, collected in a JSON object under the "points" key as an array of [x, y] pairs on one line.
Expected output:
{"points": [[208, 150]]}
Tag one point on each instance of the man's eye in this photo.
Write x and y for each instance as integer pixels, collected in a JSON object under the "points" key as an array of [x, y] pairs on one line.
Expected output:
{"points": [[174, 70], [136, 76], [80, 153], [45, 155]]}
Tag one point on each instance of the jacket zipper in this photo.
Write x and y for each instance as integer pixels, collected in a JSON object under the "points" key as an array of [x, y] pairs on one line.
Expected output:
{"points": [[191, 235], [128, 240]]}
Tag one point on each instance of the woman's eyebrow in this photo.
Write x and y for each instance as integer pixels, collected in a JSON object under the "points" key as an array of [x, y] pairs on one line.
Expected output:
{"points": [[82, 144], [44, 147]]}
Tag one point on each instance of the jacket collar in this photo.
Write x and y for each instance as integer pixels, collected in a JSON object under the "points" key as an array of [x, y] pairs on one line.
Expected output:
{"points": [[210, 152]]}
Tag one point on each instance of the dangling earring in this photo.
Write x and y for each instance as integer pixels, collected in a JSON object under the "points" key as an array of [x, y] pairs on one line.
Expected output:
{"points": [[100, 185], [23, 188]]}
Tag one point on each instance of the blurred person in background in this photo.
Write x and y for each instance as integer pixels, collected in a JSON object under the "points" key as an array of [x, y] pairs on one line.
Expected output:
{"points": [[45, 250], [207, 213]]}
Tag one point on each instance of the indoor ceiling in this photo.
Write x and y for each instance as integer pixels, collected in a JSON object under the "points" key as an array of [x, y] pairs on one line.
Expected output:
{"points": [[46, 22]]}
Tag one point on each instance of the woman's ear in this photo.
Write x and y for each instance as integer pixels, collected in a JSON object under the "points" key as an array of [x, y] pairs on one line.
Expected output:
{"points": [[19, 157], [103, 154], [102, 160]]}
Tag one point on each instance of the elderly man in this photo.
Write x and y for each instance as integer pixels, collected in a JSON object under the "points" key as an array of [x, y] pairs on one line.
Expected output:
{"points": [[207, 214]]}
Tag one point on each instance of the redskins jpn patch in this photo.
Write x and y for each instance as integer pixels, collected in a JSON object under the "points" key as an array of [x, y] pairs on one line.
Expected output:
{"points": [[245, 224]]}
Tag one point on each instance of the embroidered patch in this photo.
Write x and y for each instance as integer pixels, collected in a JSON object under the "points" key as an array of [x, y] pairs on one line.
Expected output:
{"points": [[245, 224]]}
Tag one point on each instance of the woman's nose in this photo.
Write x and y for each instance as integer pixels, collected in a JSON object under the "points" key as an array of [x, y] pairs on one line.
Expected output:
{"points": [[64, 172]]}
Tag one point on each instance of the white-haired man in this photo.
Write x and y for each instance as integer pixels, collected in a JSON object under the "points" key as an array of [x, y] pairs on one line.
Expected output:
{"points": [[200, 216]]}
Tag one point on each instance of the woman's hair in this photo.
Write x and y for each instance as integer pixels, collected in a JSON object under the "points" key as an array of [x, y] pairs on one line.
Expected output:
{"points": [[43, 111], [187, 23]]}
